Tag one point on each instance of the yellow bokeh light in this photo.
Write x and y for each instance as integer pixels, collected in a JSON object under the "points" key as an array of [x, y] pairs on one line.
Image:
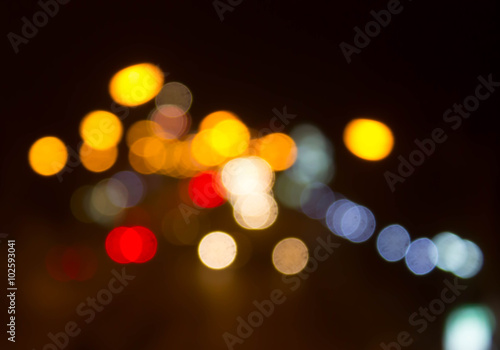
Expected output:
{"points": [[136, 85], [211, 120], [147, 155], [290, 256], [368, 139], [48, 156], [222, 135], [101, 130], [217, 250], [180, 162], [155, 153], [202, 149], [140, 129], [187, 166], [97, 160], [171, 166], [230, 138], [278, 149]]}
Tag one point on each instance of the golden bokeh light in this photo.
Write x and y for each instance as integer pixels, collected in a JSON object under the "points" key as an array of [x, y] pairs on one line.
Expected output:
{"points": [[211, 120], [97, 160], [368, 139], [147, 155], [180, 162], [101, 130], [290, 256], [222, 136], [202, 149], [140, 129], [217, 250], [173, 163], [278, 149], [136, 85], [186, 165], [48, 156], [230, 138]]}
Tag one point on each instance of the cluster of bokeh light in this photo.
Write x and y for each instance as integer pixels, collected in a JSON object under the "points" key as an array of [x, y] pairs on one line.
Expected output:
{"points": [[314, 163], [104, 202], [459, 256], [356, 223], [446, 250], [222, 161], [248, 182], [131, 244]]}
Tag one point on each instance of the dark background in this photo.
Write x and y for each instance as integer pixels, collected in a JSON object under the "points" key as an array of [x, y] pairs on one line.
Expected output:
{"points": [[264, 55]]}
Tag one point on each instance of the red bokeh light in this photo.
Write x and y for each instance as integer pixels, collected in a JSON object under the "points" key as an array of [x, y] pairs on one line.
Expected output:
{"points": [[113, 245], [206, 191], [131, 244], [71, 263], [149, 244]]}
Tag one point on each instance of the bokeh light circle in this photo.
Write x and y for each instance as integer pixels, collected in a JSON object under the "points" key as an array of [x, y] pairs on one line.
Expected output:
{"points": [[217, 250], [278, 149], [131, 244], [246, 175], [473, 262], [171, 122], [177, 94], [97, 160], [422, 256], [290, 256], [335, 213], [48, 156], [206, 191], [470, 327], [315, 200], [230, 138], [255, 211], [136, 85], [368, 139], [357, 224], [393, 242], [101, 130], [125, 189], [452, 251]]}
